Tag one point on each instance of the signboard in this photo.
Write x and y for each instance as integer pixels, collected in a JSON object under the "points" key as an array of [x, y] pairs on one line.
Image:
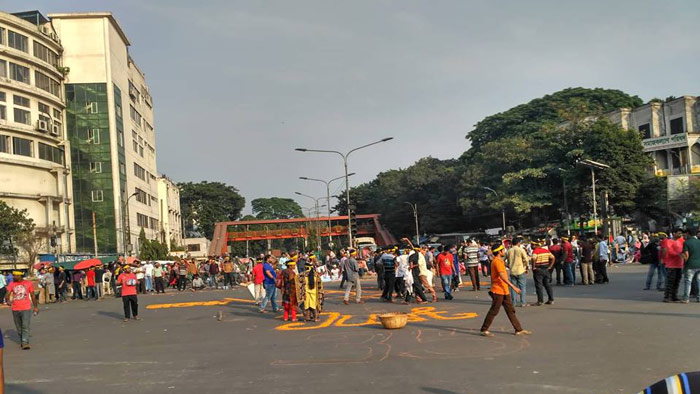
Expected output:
{"points": [[666, 142]]}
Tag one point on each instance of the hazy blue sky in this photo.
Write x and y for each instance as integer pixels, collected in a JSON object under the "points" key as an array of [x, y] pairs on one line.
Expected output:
{"points": [[238, 84]]}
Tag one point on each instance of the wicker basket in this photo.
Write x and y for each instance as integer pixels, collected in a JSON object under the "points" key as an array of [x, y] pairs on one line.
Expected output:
{"points": [[393, 320]]}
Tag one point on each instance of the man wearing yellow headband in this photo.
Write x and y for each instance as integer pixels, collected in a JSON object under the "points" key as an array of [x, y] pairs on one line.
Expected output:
{"points": [[20, 295], [500, 294], [351, 271]]}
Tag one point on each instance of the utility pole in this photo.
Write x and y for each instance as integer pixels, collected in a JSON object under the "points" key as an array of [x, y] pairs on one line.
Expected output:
{"points": [[94, 232], [414, 207]]}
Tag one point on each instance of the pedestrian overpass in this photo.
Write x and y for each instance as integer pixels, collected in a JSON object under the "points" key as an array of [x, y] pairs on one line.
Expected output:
{"points": [[226, 233]]}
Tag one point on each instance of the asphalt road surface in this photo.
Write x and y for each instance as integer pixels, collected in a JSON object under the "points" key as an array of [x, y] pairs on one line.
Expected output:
{"points": [[612, 338]]}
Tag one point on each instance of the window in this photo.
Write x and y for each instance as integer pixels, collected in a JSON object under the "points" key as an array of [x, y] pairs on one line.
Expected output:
{"points": [[645, 131], [141, 196], [4, 144], [136, 146], [2, 35], [45, 54], [48, 84], [154, 223], [92, 108], [142, 220], [50, 153], [120, 138], [96, 167], [140, 150], [22, 116], [97, 196], [19, 73], [134, 93], [677, 126], [3, 112], [57, 114], [3, 68], [139, 172], [43, 108], [21, 101], [135, 115], [122, 169], [21, 146], [17, 41], [93, 136], [2, 97], [193, 248], [148, 126]]}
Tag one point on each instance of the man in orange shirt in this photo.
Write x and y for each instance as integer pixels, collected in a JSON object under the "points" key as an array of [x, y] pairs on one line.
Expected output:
{"points": [[500, 294]]}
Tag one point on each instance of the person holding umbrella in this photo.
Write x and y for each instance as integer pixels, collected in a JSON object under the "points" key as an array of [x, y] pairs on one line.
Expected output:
{"points": [[20, 295], [128, 282]]}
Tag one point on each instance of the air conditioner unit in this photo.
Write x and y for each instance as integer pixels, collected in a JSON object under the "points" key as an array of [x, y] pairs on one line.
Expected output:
{"points": [[42, 125], [55, 129]]}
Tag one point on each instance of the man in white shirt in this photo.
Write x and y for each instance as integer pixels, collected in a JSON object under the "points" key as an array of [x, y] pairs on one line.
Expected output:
{"points": [[401, 271], [148, 272]]}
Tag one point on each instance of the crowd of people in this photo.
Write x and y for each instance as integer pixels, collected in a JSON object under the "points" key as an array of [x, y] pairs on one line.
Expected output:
{"points": [[404, 272]]}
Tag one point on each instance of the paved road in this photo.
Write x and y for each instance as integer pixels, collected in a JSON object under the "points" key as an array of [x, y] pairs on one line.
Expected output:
{"points": [[605, 339]]}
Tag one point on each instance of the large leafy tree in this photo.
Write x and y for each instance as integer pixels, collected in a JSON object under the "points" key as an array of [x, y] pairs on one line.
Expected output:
{"points": [[552, 109], [527, 155], [430, 183], [276, 208], [205, 203], [15, 225]]}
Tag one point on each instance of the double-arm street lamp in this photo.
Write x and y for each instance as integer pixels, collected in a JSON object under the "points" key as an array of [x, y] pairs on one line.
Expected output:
{"points": [[503, 210], [328, 198], [347, 181], [593, 165]]}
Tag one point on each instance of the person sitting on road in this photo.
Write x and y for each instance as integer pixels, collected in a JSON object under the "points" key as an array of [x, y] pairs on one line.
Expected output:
{"points": [[197, 283]]}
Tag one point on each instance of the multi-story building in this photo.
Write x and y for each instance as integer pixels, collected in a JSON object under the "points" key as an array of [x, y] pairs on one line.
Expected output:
{"points": [[109, 122], [34, 169], [670, 132], [170, 217]]}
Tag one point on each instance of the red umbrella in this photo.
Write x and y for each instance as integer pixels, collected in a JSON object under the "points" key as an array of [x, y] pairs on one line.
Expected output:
{"points": [[131, 259], [41, 265], [87, 264]]}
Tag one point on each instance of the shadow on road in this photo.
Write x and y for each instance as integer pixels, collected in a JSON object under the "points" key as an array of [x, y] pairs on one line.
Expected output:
{"points": [[20, 389], [113, 315], [437, 391], [671, 314]]}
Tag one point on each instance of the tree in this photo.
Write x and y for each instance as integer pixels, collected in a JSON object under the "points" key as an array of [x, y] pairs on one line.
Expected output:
{"points": [[276, 208], [151, 249], [31, 245], [205, 203], [551, 109], [14, 224], [430, 183]]}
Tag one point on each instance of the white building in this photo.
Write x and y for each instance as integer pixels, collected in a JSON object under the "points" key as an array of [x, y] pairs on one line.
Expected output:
{"points": [[34, 166], [170, 216], [670, 132], [109, 121]]}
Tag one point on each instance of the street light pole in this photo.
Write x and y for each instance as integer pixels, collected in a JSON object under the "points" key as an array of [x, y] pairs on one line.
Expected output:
{"points": [[414, 207], [503, 210], [345, 165], [317, 215], [328, 198], [593, 165]]}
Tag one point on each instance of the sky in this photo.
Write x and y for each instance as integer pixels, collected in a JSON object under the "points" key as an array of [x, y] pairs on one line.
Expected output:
{"points": [[237, 85]]}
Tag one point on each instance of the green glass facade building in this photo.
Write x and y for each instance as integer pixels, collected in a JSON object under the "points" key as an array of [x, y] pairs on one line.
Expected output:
{"points": [[87, 127]]}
